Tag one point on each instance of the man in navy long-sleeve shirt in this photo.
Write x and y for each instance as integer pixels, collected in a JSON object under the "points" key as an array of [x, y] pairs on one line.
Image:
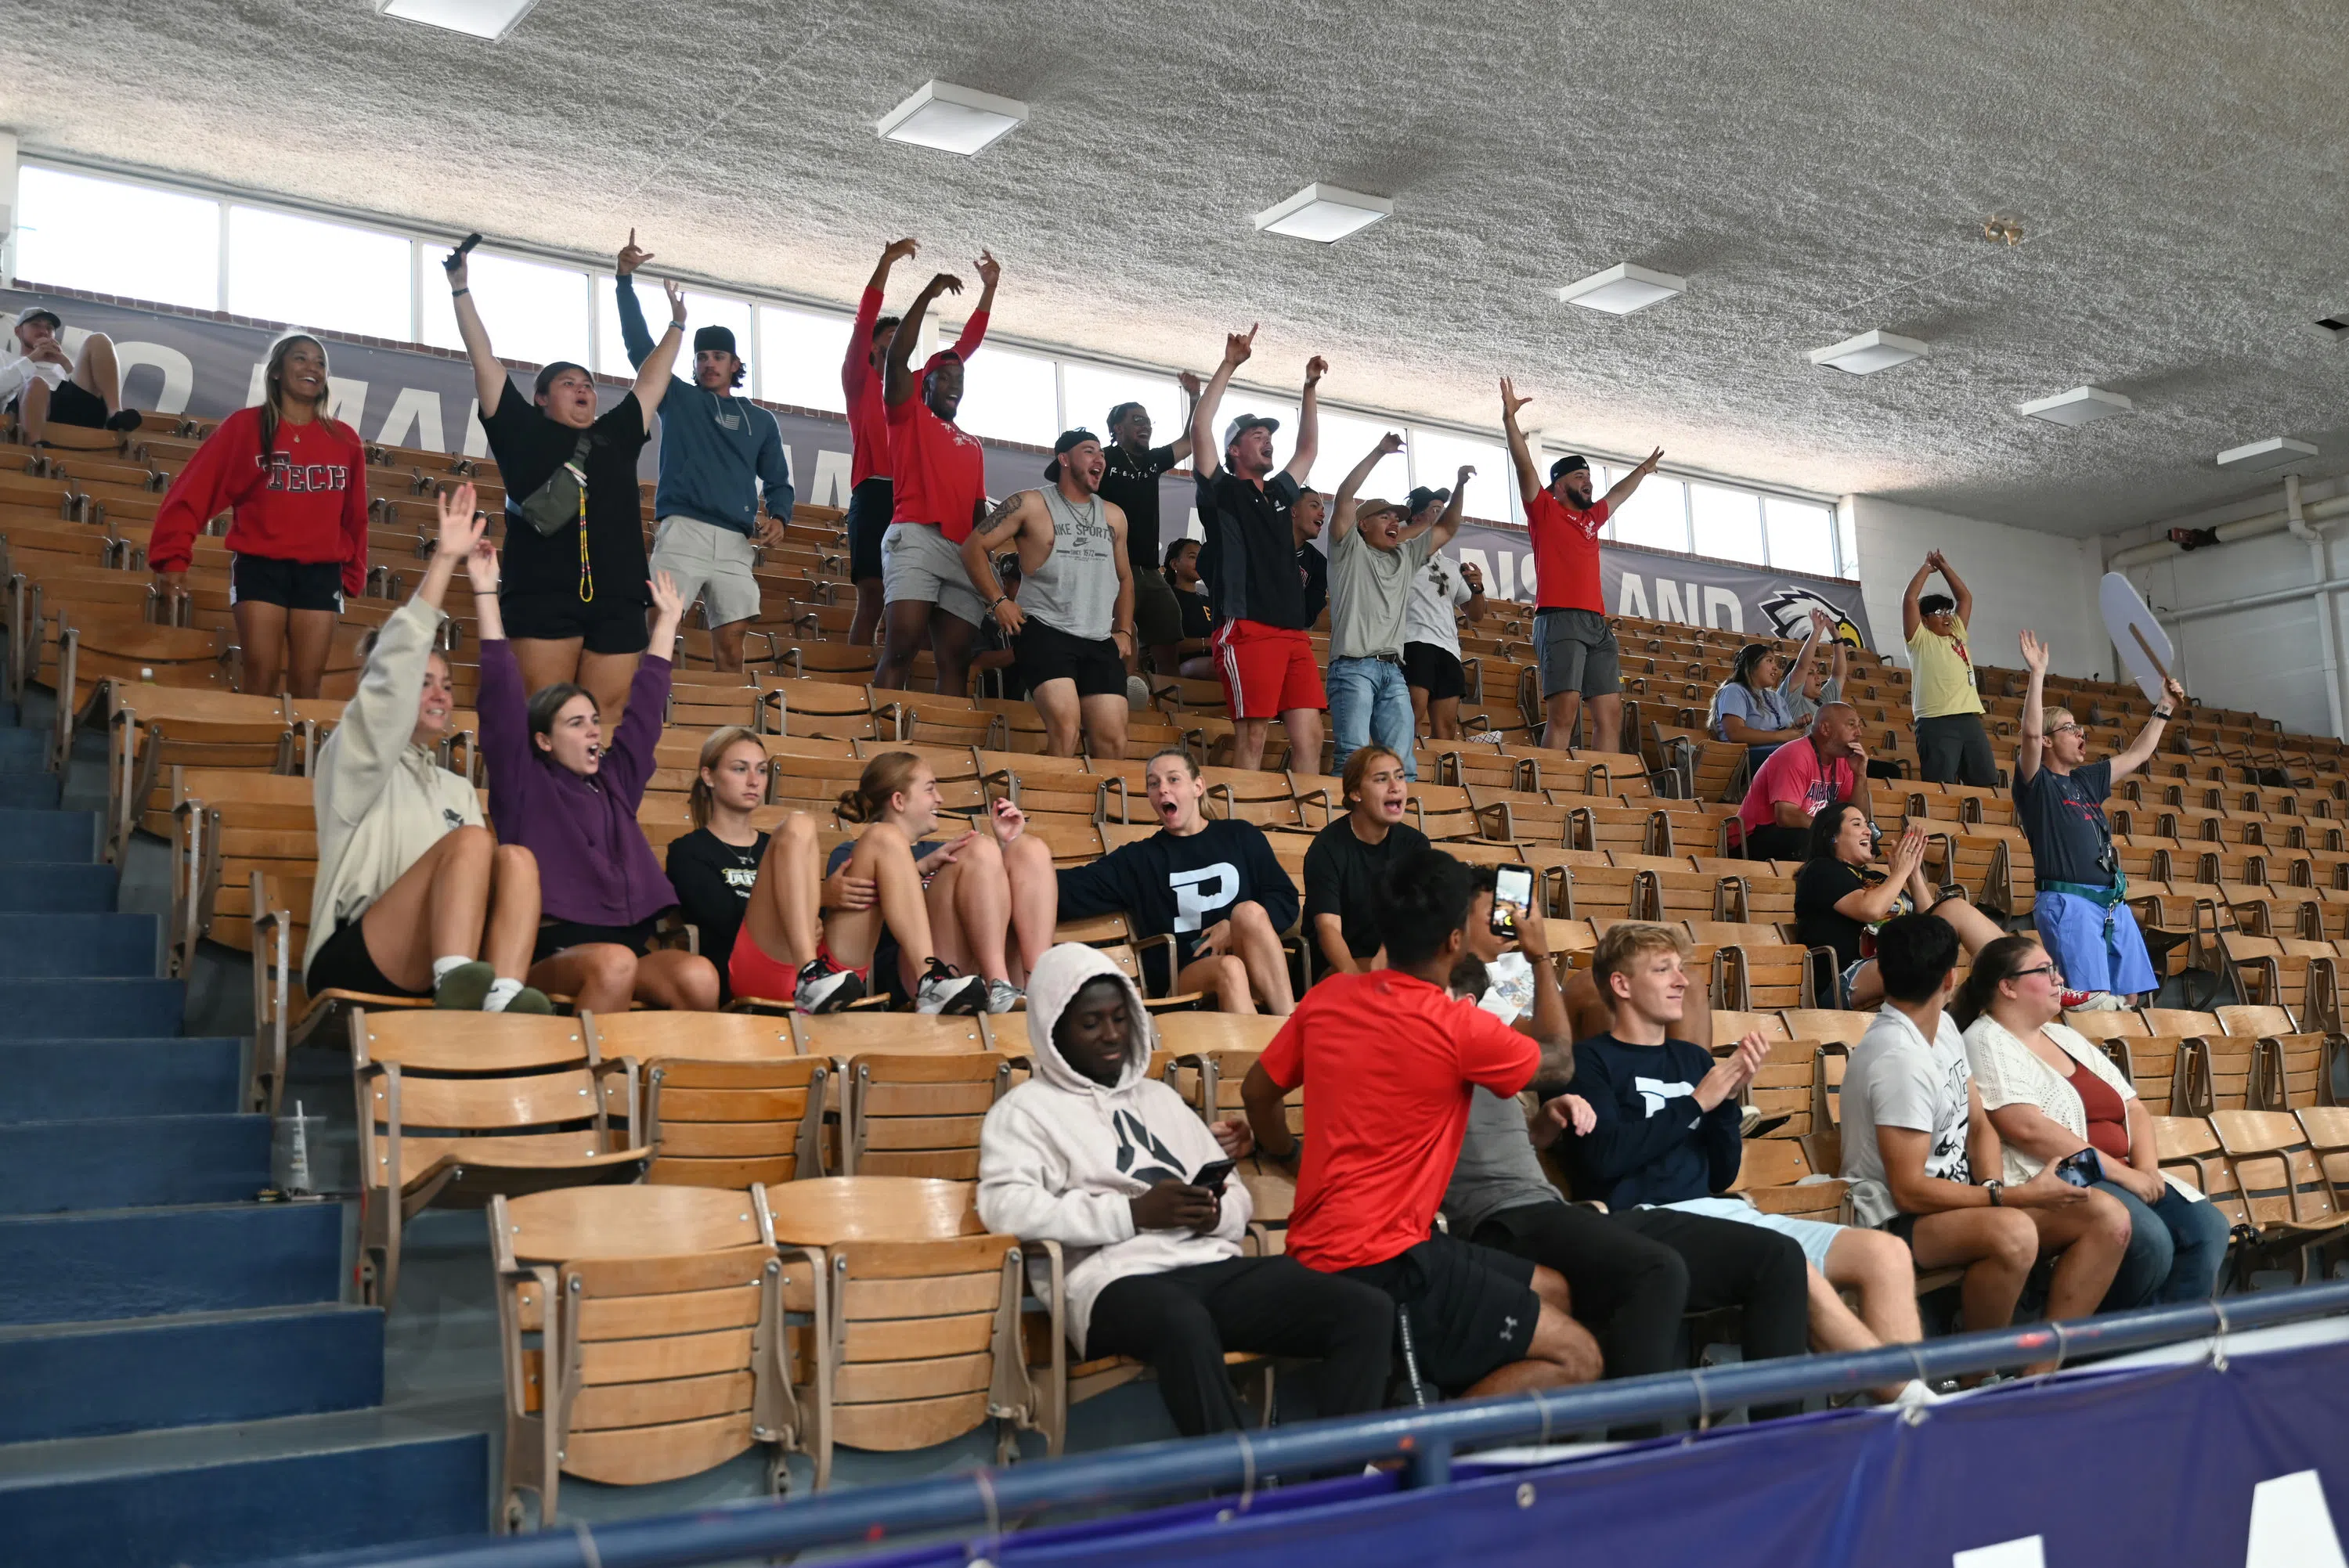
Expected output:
{"points": [[1213, 885], [718, 453], [1667, 1133]]}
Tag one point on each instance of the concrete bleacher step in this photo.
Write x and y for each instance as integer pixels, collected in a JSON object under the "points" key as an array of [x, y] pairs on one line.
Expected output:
{"points": [[53, 945], [145, 1263], [37, 1009], [24, 750], [49, 835], [255, 1491], [131, 1161], [31, 792], [41, 887], [53, 1080], [186, 1370]]}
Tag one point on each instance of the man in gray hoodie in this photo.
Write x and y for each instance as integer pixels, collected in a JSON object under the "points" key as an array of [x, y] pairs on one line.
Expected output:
{"points": [[1094, 1155]]}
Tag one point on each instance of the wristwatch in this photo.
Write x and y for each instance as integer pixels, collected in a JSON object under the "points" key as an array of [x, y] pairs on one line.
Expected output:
{"points": [[1997, 1193], [2164, 714]]}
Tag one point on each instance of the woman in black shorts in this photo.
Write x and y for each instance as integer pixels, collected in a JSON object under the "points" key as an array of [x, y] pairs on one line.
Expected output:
{"points": [[574, 598], [296, 482]]}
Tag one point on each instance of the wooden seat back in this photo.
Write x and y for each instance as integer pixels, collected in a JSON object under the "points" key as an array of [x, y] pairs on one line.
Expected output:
{"points": [[2283, 1182], [919, 1115], [734, 1123], [840, 1036]]}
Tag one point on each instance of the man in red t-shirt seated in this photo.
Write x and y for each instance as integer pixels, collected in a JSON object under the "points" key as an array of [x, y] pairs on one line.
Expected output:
{"points": [[1391, 1056], [1575, 646], [1800, 777]]}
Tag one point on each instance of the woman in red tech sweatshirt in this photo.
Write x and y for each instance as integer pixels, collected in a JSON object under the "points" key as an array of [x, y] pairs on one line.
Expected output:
{"points": [[296, 481]]}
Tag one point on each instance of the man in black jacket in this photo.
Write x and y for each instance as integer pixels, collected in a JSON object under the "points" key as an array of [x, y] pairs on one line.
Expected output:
{"points": [[1211, 884]]}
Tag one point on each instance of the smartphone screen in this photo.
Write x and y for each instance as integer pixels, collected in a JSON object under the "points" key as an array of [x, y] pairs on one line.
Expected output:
{"points": [[1513, 898], [1213, 1174], [2080, 1168]]}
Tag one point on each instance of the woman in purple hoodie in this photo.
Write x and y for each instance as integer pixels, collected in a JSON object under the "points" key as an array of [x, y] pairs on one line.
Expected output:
{"points": [[556, 792]]}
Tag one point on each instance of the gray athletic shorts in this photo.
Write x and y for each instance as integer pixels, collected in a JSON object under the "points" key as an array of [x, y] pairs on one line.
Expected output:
{"points": [[917, 563], [707, 561], [1578, 654], [1814, 1236]]}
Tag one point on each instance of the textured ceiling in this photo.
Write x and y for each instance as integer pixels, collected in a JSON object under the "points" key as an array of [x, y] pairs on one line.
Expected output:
{"points": [[1816, 170]]}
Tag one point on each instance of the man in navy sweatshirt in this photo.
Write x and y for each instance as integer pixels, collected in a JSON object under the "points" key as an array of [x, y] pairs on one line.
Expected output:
{"points": [[1211, 884], [718, 452]]}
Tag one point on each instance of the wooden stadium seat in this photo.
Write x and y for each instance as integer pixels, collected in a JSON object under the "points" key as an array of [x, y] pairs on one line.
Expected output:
{"points": [[1582, 884], [152, 728], [1678, 895], [2188, 1147], [1786, 1085], [840, 1036], [831, 709], [920, 1310], [458, 1106], [733, 1122], [2178, 1021], [2284, 1187], [2162, 1070], [2326, 1128], [1733, 1024], [641, 1331], [918, 1115], [1826, 1024], [227, 824], [2291, 1072], [2106, 1024], [1607, 825], [1773, 1177]]}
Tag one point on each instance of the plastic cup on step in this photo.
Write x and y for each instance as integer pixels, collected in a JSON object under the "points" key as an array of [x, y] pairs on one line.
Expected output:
{"points": [[295, 1144]]}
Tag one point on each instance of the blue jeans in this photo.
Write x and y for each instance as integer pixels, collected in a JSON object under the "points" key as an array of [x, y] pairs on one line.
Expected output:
{"points": [[2176, 1250], [1370, 703]]}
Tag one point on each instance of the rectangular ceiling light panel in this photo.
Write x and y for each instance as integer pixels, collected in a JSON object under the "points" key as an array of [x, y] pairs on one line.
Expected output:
{"points": [[1324, 214], [1622, 289], [951, 118], [490, 19], [1869, 353], [2080, 405], [2276, 452]]}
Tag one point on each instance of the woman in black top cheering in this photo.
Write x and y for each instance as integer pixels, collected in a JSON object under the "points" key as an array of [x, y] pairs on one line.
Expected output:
{"points": [[573, 590], [1838, 901]]}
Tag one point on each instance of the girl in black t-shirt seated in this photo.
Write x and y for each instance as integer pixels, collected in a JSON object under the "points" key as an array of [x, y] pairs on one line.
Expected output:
{"points": [[1182, 575], [1839, 899], [574, 598]]}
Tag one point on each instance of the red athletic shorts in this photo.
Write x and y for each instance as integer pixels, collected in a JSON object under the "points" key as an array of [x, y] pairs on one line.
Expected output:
{"points": [[1266, 670], [750, 973]]}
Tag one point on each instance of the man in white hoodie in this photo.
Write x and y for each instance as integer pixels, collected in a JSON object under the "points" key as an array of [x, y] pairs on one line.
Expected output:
{"points": [[1094, 1155]]}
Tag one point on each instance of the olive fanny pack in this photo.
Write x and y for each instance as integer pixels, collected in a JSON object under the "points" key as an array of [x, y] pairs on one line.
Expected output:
{"points": [[563, 498]]}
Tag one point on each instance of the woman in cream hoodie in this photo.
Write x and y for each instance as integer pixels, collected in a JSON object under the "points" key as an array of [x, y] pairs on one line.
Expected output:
{"points": [[414, 896], [1095, 1155]]}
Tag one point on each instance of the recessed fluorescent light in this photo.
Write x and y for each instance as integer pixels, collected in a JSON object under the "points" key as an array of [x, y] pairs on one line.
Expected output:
{"points": [[1324, 213], [2276, 452], [2080, 405], [1869, 353], [952, 118], [482, 18], [1622, 289]]}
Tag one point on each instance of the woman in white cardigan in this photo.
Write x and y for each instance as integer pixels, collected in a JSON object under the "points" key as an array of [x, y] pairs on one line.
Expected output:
{"points": [[2050, 1093]]}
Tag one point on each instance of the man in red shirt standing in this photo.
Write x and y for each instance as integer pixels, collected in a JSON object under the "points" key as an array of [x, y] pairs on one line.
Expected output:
{"points": [[869, 501], [939, 477], [1579, 657], [1390, 1057]]}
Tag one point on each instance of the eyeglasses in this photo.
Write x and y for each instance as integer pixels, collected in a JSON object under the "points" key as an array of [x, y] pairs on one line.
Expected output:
{"points": [[2047, 969], [2069, 728]]}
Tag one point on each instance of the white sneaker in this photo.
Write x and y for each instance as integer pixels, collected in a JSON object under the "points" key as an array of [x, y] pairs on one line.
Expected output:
{"points": [[1002, 995], [1137, 692], [826, 988], [944, 990]]}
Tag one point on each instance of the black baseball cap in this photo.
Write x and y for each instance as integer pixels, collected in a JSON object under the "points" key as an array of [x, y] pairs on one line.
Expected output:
{"points": [[717, 337], [1422, 498], [1069, 441], [1567, 465]]}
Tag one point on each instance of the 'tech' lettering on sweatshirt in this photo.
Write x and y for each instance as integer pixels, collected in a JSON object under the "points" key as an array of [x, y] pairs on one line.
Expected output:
{"points": [[304, 499]]}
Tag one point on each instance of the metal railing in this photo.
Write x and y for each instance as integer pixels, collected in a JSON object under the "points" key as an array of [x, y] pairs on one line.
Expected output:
{"points": [[1425, 1439]]}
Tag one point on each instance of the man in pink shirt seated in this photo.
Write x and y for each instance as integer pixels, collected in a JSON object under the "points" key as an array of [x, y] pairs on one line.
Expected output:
{"points": [[1799, 777]]}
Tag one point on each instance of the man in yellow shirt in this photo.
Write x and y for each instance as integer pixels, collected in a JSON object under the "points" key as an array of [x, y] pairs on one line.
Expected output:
{"points": [[1952, 747]]}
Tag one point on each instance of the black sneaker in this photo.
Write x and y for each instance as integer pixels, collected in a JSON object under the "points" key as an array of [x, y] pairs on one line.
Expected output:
{"points": [[944, 990]]}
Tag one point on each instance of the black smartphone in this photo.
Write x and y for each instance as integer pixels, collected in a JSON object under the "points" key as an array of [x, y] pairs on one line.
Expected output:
{"points": [[2081, 1168], [1513, 898], [457, 256], [1213, 1174]]}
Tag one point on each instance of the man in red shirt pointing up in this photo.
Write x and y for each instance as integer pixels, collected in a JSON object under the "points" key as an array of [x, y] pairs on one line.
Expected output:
{"points": [[1388, 1057], [1581, 661]]}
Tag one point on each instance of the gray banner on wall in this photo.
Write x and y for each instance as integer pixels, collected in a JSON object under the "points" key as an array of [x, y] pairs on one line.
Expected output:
{"points": [[200, 367]]}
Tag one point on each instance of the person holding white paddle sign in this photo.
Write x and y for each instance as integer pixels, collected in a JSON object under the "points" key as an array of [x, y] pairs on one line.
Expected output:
{"points": [[2089, 933]]}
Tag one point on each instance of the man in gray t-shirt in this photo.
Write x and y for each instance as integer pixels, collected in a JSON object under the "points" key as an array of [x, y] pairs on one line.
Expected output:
{"points": [[1373, 557]]}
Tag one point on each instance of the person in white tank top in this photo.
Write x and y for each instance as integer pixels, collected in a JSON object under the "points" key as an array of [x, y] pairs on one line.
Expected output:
{"points": [[1072, 624]]}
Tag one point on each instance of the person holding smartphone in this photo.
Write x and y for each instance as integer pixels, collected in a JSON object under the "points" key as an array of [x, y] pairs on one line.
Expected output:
{"points": [[1109, 1165], [2055, 1099], [1348, 856]]}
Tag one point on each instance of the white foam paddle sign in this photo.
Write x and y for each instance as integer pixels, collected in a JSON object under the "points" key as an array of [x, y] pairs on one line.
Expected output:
{"points": [[2145, 647]]}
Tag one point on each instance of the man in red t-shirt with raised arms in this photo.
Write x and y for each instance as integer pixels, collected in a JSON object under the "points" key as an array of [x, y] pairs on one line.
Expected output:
{"points": [[1580, 660], [939, 477], [1388, 1057], [871, 501]]}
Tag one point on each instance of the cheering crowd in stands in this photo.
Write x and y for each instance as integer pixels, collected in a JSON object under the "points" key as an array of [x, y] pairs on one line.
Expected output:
{"points": [[1980, 1134]]}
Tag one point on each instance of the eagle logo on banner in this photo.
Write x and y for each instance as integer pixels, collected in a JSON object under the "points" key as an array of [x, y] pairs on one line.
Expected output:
{"points": [[1789, 610]]}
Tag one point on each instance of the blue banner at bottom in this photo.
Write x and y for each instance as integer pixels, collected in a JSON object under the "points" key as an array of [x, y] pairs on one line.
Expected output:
{"points": [[2195, 1464]]}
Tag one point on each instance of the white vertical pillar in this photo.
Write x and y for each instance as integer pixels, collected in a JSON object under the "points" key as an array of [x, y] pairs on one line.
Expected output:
{"points": [[7, 206]]}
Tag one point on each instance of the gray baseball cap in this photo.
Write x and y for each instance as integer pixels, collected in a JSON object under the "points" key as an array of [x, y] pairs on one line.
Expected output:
{"points": [[1232, 431]]}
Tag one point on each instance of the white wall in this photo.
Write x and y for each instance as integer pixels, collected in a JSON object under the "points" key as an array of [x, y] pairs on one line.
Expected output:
{"points": [[2019, 579], [2268, 659]]}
